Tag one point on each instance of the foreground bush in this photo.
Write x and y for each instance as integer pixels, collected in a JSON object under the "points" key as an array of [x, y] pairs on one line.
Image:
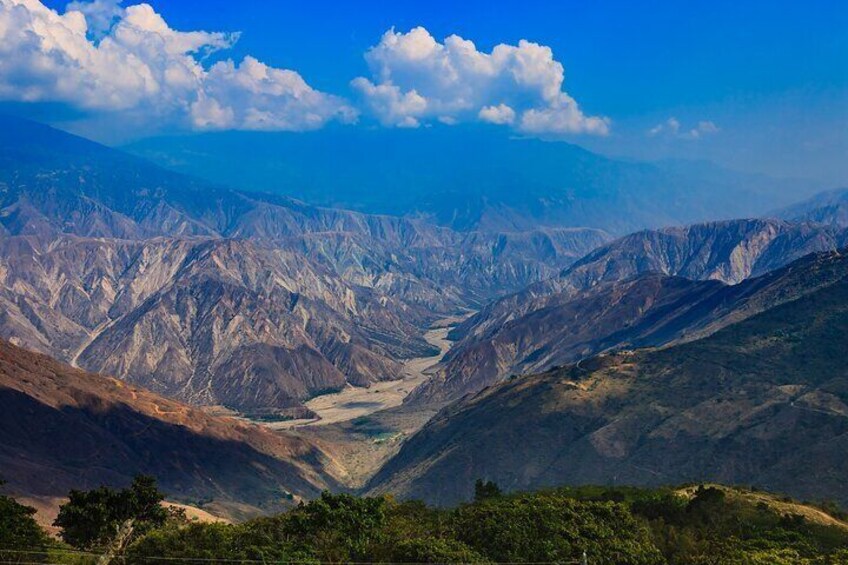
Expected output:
{"points": [[551, 527], [707, 526], [342, 528], [19, 533], [612, 525]]}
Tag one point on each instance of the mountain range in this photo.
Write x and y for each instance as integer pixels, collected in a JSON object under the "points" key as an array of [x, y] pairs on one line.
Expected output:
{"points": [[216, 296], [473, 178], [641, 290], [763, 401], [705, 351]]}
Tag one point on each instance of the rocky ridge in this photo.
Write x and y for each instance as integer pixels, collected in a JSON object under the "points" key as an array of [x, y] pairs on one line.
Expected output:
{"points": [[607, 298]]}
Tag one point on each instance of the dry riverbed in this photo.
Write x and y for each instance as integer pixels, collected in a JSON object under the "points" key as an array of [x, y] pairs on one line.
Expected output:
{"points": [[361, 428], [355, 402]]}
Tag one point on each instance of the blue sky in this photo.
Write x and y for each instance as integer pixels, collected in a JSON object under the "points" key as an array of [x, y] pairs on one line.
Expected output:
{"points": [[623, 58], [755, 85]]}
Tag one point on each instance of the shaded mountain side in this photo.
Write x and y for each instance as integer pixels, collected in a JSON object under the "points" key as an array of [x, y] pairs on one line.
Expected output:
{"points": [[62, 428], [649, 309], [828, 208], [727, 251], [472, 178], [754, 403], [646, 310]]}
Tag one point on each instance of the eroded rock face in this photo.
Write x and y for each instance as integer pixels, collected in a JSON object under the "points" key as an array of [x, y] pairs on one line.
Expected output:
{"points": [[210, 321], [728, 251], [597, 303]]}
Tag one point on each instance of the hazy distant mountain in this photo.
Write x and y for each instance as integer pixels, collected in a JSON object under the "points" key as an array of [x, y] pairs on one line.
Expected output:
{"points": [[217, 296], [605, 300], [473, 178], [62, 428], [54, 183], [829, 208], [754, 403]]}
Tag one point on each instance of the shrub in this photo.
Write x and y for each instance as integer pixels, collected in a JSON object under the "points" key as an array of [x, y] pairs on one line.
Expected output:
{"points": [[551, 527], [19, 532], [434, 550]]}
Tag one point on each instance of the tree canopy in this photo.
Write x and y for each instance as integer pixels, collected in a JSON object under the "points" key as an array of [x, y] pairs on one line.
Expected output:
{"points": [[97, 518], [19, 531], [612, 525]]}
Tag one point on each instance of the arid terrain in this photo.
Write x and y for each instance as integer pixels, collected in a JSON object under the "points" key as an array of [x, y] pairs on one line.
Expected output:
{"points": [[356, 402], [361, 428]]}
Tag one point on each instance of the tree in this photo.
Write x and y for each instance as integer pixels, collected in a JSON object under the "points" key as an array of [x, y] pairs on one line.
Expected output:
{"points": [[107, 519], [18, 531], [434, 550], [549, 527], [486, 489], [338, 527]]}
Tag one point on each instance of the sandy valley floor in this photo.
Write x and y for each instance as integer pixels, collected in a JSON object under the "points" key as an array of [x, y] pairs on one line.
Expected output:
{"points": [[360, 428], [355, 402]]}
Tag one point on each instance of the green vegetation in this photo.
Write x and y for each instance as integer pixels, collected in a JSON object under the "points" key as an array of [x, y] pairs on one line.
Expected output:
{"points": [[19, 532], [717, 526], [705, 525], [105, 518]]}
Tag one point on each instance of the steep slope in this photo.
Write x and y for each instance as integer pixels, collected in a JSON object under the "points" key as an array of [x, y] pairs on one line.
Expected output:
{"points": [[210, 321], [472, 178], [728, 251], [754, 403], [646, 310], [63, 428], [828, 208]]}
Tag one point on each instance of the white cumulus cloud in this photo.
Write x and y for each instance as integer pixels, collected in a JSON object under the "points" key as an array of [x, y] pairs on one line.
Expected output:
{"points": [[673, 128], [100, 57], [397, 108], [500, 114], [415, 78]]}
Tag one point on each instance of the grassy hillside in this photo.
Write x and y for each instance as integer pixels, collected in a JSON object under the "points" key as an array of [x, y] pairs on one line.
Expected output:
{"points": [[754, 403]]}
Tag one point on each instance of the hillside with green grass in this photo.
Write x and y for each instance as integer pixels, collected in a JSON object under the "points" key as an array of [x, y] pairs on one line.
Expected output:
{"points": [[762, 402]]}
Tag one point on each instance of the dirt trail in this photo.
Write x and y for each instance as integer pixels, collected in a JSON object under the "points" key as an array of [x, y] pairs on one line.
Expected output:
{"points": [[355, 402]]}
